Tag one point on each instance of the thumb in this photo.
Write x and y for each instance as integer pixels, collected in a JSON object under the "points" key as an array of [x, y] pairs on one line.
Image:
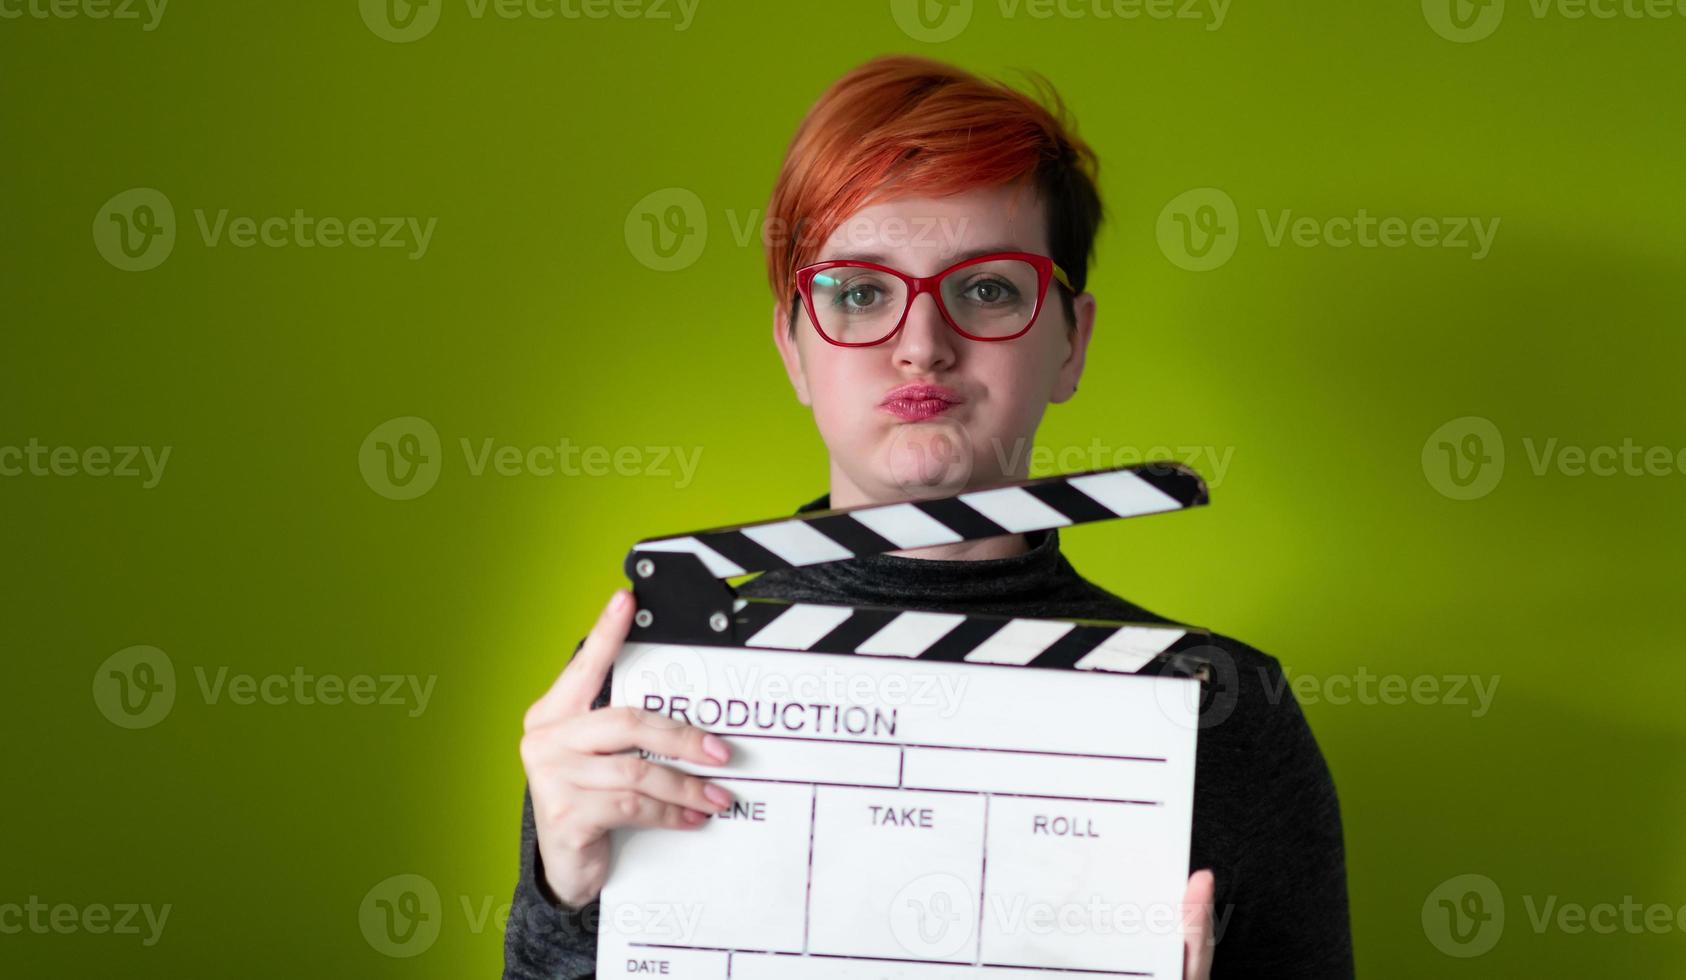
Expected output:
{"points": [[1197, 926]]}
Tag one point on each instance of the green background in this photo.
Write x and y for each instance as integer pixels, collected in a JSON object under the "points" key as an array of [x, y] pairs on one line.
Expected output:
{"points": [[1318, 373]]}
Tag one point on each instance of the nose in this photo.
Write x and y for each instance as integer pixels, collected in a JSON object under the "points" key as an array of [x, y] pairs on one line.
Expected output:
{"points": [[926, 343]]}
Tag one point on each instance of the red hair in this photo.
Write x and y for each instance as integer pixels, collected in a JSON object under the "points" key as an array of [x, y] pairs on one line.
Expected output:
{"points": [[903, 125]]}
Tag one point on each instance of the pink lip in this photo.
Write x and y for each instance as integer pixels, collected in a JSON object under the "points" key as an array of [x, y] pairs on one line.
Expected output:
{"points": [[916, 402]]}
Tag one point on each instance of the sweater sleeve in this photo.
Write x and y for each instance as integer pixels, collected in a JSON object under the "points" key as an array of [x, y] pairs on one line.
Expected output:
{"points": [[545, 940], [1288, 915]]}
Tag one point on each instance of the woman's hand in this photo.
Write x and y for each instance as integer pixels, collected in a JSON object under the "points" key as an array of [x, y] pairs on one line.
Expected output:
{"points": [[582, 784], [1197, 927]]}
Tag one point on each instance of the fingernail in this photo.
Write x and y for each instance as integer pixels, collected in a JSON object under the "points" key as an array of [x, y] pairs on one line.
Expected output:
{"points": [[717, 795], [617, 602], [693, 818], [715, 747]]}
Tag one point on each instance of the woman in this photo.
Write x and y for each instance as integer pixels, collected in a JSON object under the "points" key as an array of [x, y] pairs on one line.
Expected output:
{"points": [[912, 182]]}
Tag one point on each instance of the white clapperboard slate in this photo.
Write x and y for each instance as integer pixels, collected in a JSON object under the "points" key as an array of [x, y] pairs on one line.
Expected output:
{"points": [[917, 794]]}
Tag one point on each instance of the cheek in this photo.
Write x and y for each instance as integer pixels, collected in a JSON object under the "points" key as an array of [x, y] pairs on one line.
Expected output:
{"points": [[1018, 381], [841, 390]]}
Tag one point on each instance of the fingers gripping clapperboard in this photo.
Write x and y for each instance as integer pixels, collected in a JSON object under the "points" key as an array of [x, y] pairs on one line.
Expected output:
{"points": [[916, 794]]}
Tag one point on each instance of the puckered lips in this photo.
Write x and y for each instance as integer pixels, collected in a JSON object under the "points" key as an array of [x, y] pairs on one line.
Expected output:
{"points": [[920, 401]]}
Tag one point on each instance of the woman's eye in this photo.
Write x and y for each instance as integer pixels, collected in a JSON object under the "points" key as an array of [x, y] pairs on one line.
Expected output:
{"points": [[858, 296], [992, 292]]}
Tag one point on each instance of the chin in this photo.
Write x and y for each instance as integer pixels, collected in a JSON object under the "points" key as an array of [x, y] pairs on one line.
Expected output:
{"points": [[933, 458]]}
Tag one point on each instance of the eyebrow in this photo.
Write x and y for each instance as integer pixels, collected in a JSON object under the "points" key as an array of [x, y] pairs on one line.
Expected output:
{"points": [[960, 257]]}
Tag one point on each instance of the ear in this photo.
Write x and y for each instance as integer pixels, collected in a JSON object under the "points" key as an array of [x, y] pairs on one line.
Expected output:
{"points": [[1065, 384], [791, 354]]}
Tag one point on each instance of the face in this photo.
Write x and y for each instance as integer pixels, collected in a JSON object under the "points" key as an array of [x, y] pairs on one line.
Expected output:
{"points": [[882, 453]]}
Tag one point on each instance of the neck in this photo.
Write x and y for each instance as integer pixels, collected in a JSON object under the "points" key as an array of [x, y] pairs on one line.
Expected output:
{"points": [[845, 493]]}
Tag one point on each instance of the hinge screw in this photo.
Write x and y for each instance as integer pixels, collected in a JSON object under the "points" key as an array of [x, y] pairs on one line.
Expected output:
{"points": [[645, 568], [718, 622], [644, 617]]}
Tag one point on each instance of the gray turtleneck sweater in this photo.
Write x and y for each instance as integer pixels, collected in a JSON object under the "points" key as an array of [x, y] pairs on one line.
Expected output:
{"points": [[1266, 819]]}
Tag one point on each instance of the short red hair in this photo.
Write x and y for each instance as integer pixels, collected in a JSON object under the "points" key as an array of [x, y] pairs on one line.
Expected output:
{"points": [[903, 125]]}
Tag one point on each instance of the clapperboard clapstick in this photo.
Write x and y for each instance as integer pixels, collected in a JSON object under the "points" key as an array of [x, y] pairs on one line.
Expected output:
{"points": [[682, 598]]}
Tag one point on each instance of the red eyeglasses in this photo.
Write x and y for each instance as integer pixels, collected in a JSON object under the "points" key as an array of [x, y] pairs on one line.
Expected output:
{"points": [[987, 298]]}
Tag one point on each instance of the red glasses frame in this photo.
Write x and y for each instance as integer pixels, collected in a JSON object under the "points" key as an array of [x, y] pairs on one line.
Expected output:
{"points": [[1046, 269]]}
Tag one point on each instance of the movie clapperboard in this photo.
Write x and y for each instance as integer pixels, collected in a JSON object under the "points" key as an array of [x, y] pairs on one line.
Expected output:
{"points": [[917, 794]]}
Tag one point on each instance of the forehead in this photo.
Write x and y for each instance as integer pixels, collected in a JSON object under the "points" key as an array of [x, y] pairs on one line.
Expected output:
{"points": [[931, 229]]}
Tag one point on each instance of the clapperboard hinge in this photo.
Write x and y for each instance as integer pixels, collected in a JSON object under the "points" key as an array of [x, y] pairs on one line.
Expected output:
{"points": [[682, 596]]}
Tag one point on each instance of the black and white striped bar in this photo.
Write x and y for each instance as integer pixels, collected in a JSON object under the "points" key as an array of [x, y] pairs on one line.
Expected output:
{"points": [[1111, 647], [852, 532]]}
